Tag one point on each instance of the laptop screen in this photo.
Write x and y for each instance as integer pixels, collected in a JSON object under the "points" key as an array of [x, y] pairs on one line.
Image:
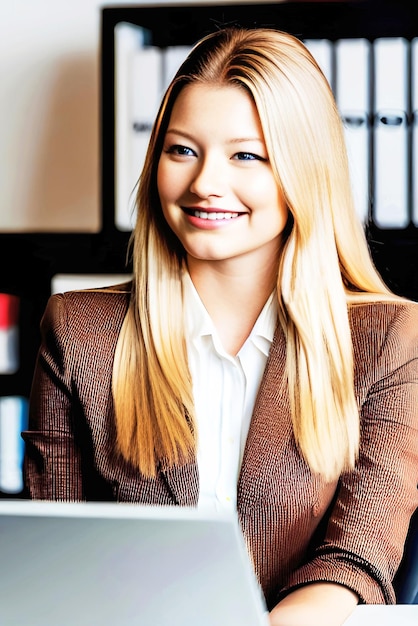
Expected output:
{"points": [[123, 564]]}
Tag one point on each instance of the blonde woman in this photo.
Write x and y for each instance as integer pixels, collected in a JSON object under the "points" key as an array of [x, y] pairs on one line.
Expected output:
{"points": [[256, 362]]}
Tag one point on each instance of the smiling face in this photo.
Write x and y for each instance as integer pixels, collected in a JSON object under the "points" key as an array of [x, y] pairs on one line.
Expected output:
{"points": [[216, 186]]}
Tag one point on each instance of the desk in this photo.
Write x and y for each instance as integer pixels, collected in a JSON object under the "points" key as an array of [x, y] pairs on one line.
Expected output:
{"points": [[380, 615]]}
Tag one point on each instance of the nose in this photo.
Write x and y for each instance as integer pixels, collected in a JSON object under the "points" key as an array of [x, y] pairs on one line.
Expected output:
{"points": [[209, 178]]}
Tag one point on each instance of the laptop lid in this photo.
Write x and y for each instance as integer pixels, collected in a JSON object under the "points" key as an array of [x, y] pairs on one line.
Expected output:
{"points": [[122, 564]]}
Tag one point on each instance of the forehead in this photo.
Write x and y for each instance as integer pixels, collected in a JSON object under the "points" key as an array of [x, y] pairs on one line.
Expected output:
{"points": [[226, 106]]}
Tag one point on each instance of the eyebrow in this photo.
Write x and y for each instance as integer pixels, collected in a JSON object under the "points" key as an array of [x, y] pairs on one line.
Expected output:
{"points": [[185, 134]]}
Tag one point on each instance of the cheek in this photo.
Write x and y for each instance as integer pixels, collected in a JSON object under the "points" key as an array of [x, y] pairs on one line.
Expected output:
{"points": [[264, 194], [170, 185], [165, 192], [162, 183]]}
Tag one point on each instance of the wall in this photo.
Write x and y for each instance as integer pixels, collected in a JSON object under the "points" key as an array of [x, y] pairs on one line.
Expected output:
{"points": [[49, 125]]}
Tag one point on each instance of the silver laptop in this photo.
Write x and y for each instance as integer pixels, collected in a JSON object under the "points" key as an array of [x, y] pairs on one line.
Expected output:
{"points": [[89, 564]]}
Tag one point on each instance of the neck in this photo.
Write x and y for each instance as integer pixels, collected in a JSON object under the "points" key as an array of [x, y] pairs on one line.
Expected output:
{"points": [[234, 299]]}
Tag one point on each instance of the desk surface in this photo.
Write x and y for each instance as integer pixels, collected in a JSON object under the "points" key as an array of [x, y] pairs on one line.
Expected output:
{"points": [[378, 615]]}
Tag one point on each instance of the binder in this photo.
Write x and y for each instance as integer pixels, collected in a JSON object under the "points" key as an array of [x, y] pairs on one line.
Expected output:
{"points": [[138, 89], [128, 38], [70, 282], [147, 87], [414, 90], [353, 98], [13, 419], [321, 50], [173, 58], [391, 133], [9, 333]]}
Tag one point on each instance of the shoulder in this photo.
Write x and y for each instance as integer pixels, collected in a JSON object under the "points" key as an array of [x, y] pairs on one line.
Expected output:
{"points": [[79, 333], [385, 320], [89, 309], [385, 338]]}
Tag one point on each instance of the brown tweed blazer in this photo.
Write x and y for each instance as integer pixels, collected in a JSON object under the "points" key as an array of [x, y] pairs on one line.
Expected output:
{"points": [[298, 528]]}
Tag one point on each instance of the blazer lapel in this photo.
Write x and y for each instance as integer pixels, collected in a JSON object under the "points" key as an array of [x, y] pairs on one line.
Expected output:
{"points": [[271, 429], [183, 483]]}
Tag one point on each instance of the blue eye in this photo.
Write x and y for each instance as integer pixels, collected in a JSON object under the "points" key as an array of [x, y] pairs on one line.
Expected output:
{"points": [[248, 156], [180, 150]]}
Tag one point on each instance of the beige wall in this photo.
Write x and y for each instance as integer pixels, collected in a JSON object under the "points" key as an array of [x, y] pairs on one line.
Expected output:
{"points": [[49, 126]]}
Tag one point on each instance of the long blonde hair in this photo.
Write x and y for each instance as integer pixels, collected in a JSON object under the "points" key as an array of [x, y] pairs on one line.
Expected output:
{"points": [[325, 264]]}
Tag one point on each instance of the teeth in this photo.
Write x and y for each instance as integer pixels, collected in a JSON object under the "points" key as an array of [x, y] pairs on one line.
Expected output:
{"points": [[203, 215]]}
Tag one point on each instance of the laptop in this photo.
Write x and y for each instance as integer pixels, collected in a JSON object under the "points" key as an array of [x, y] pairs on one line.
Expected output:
{"points": [[100, 564]]}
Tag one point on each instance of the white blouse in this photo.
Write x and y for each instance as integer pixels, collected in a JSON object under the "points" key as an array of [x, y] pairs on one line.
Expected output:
{"points": [[225, 390]]}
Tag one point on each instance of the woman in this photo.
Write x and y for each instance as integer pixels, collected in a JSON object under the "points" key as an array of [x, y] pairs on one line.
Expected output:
{"points": [[257, 362]]}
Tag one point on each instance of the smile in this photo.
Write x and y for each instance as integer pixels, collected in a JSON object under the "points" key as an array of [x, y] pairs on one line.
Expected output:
{"points": [[213, 215]]}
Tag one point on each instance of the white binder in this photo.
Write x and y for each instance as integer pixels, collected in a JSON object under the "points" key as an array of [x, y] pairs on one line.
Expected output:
{"points": [[414, 78], [13, 419], [127, 40], [173, 58], [146, 71], [391, 133], [138, 86], [353, 97], [321, 50], [70, 282]]}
